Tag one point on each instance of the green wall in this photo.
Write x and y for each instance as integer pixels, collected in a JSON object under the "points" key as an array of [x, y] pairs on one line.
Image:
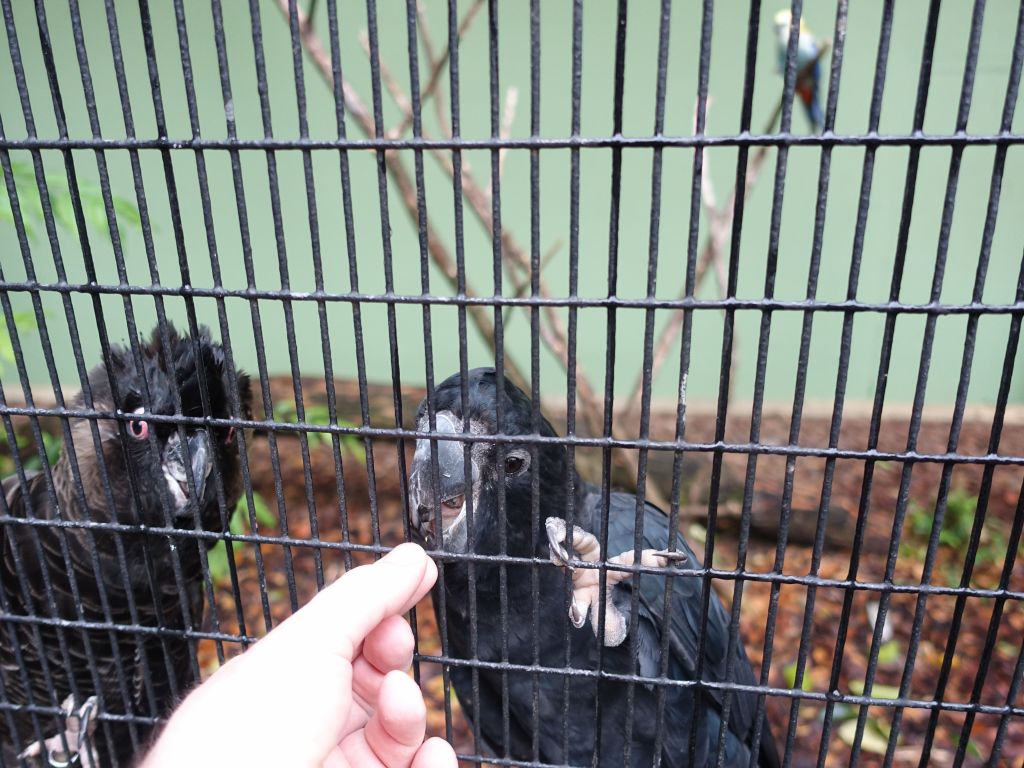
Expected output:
{"points": [[726, 77]]}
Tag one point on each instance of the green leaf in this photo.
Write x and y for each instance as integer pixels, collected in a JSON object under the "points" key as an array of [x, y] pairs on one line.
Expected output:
{"points": [[52, 445], [239, 523], [890, 652], [878, 690], [872, 741], [790, 675], [217, 559], [260, 509], [126, 212], [6, 346]]}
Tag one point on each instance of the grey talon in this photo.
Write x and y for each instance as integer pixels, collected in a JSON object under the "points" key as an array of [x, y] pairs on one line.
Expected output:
{"points": [[678, 557]]}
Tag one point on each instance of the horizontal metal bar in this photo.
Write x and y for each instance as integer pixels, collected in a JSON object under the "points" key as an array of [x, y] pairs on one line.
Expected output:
{"points": [[481, 759], [916, 139], [789, 693], [6, 706], [471, 557], [612, 302], [587, 442], [123, 628], [567, 671]]}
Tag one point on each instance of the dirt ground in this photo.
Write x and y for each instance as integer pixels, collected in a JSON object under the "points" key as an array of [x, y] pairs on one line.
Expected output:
{"points": [[359, 522]]}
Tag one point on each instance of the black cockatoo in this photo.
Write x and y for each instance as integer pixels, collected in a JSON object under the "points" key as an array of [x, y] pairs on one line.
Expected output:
{"points": [[155, 479], [565, 730]]}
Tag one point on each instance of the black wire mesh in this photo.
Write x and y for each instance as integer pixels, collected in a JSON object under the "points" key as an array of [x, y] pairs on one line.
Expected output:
{"points": [[348, 437]]}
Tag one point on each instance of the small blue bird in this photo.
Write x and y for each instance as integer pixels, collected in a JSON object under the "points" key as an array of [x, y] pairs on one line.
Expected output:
{"points": [[807, 51]]}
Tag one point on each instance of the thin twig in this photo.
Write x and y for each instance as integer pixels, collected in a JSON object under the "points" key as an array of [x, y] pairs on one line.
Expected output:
{"points": [[545, 259], [407, 189], [507, 118], [439, 65], [428, 47], [553, 332], [389, 80], [719, 225]]}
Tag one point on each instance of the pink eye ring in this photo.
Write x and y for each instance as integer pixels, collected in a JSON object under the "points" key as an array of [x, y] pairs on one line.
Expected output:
{"points": [[230, 437], [138, 429]]}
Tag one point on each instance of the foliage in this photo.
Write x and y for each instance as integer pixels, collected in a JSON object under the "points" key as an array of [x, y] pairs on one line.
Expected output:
{"points": [[238, 525], [33, 217], [62, 203], [25, 449], [23, 321], [955, 536], [317, 414]]}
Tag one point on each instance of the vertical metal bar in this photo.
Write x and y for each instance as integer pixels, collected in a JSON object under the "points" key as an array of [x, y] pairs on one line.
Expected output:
{"points": [[90, 269], [254, 309], [1018, 672], [957, 421], [860, 229], [753, 27], [154, 275], [289, 320], [499, 355], [654, 242], [789, 86], [460, 280], [700, 117], [385, 224], [353, 272], [535, 417], [41, 324], [798, 398], [318, 279], [618, 93], [885, 355], [570, 405], [204, 194], [16, 555], [918, 405], [161, 316], [1013, 338], [243, 228], [421, 222]]}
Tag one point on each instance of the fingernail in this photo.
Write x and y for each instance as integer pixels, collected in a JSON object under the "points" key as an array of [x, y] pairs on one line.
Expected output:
{"points": [[404, 555]]}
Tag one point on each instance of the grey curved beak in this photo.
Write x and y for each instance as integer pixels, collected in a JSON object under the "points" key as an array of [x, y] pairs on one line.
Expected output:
{"points": [[200, 460], [436, 498]]}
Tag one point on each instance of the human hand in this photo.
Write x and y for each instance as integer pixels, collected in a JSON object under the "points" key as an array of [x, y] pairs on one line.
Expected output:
{"points": [[326, 688]]}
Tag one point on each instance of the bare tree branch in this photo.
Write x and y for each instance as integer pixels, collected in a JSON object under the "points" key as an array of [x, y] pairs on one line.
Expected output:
{"points": [[719, 225], [507, 118], [439, 65], [389, 81], [428, 47], [553, 332], [407, 189]]}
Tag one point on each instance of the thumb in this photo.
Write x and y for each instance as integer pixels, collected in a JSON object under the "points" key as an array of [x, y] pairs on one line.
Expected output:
{"points": [[343, 614]]}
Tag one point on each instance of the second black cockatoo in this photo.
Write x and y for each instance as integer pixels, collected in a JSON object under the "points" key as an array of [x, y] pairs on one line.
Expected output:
{"points": [[563, 730], [156, 479]]}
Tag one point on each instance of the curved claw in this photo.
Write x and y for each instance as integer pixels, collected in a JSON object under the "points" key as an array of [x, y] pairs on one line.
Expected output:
{"points": [[556, 535], [671, 557], [578, 615]]}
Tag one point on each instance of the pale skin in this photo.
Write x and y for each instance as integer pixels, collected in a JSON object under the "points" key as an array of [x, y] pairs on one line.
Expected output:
{"points": [[328, 687]]}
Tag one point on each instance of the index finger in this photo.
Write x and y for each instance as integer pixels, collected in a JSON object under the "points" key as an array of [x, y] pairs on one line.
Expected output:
{"points": [[344, 613]]}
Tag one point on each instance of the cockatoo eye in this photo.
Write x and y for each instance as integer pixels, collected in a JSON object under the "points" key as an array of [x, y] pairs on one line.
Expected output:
{"points": [[455, 502], [516, 463], [139, 428], [230, 439]]}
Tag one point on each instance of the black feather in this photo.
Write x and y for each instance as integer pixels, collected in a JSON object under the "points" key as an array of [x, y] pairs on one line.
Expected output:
{"points": [[112, 576], [565, 725]]}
